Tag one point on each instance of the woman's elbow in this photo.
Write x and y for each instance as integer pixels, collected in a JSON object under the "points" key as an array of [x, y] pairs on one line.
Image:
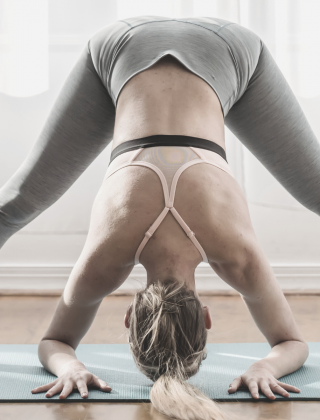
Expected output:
{"points": [[306, 350]]}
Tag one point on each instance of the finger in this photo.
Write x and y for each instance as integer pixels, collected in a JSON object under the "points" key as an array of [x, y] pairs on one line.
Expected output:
{"points": [[101, 384], [67, 389], [43, 388], [54, 390], [82, 387], [265, 388], [233, 387], [254, 389], [279, 390], [289, 387]]}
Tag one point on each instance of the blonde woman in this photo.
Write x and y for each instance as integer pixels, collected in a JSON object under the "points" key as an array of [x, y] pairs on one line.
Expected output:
{"points": [[163, 89]]}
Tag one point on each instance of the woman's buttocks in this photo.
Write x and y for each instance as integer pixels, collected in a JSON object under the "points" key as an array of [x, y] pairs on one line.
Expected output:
{"points": [[168, 99]]}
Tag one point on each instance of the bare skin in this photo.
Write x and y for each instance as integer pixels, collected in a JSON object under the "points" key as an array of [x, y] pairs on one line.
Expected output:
{"points": [[168, 99]]}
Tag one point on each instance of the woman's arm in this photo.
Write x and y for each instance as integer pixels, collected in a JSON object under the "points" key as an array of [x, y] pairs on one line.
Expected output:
{"points": [[285, 358], [104, 264], [273, 316], [289, 351], [70, 323], [261, 292], [57, 348], [55, 356], [89, 282], [60, 359]]}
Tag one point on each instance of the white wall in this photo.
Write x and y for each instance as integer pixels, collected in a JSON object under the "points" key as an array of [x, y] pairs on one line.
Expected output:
{"points": [[288, 233]]}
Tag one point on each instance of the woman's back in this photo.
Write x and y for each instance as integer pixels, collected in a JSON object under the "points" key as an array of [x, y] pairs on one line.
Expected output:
{"points": [[169, 99]]}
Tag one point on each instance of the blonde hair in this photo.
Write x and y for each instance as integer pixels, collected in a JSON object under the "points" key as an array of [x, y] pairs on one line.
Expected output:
{"points": [[167, 336]]}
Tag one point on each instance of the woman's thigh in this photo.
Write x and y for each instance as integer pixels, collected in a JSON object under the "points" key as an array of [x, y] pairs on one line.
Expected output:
{"points": [[78, 128], [270, 122]]}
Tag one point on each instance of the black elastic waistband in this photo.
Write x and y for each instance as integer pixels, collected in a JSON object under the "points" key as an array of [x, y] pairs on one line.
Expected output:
{"points": [[167, 140]]}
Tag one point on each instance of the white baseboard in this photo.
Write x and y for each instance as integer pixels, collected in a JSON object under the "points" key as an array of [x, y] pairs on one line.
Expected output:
{"points": [[51, 279]]}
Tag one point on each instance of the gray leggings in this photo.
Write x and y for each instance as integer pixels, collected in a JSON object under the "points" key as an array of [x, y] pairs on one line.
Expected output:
{"points": [[267, 119]]}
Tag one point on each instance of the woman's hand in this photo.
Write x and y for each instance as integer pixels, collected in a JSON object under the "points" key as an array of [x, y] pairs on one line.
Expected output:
{"points": [[73, 376], [260, 378]]}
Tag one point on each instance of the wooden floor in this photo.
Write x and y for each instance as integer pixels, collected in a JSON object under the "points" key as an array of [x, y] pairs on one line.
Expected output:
{"points": [[25, 319]]}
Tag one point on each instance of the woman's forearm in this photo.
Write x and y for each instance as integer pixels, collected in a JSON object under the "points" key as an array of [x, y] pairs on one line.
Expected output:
{"points": [[55, 356], [284, 358]]}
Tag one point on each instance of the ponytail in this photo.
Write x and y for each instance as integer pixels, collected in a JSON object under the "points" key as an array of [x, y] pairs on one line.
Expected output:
{"points": [[167, 337], [178, 399]]}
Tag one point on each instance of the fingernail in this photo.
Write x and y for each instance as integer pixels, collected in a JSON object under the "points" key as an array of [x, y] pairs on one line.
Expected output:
{"points": [[83, 394], [256, 395]]}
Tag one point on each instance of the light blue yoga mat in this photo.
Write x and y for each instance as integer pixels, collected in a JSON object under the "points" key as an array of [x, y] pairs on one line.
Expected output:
{"points": [[21, 371]]}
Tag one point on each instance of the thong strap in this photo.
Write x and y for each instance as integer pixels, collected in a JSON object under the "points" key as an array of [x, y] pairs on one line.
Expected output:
{"points": [[167, 140]]}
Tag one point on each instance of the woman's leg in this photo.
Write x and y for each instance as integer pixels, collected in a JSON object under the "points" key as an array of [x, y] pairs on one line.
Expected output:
{"points": [[78, 128], [271, 124]]}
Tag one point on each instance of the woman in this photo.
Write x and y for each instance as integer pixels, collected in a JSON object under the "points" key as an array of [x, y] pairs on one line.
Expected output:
{"points": [[173, 84]]}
